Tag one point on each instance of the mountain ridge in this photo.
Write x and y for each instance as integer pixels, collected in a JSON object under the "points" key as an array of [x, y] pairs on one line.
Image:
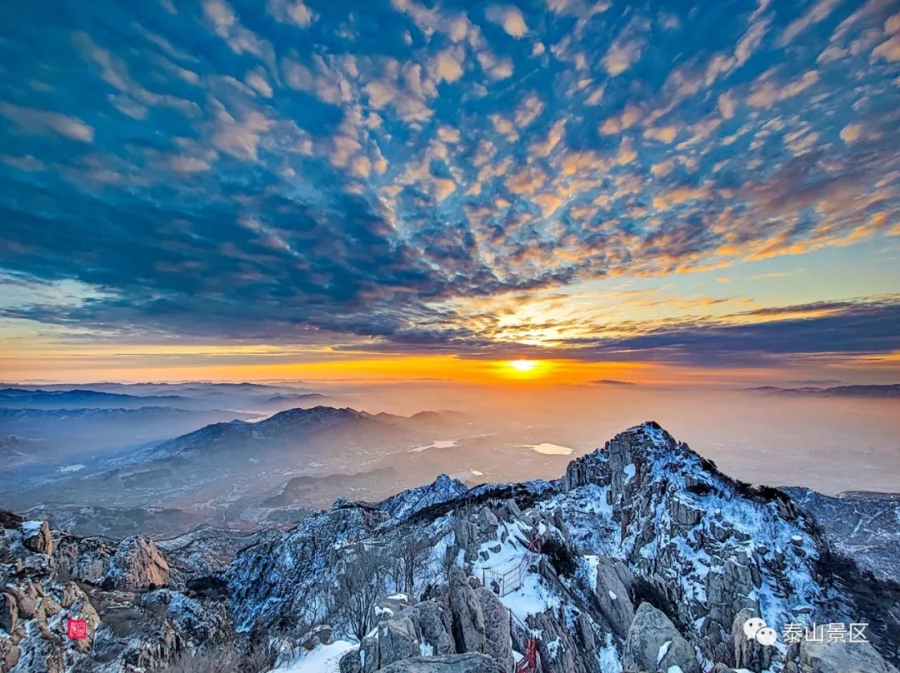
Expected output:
{"points": [[641, 556]]}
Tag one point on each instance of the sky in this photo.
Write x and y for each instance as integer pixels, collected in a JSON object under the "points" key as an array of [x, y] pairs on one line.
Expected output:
{"points": [[394, 189]]}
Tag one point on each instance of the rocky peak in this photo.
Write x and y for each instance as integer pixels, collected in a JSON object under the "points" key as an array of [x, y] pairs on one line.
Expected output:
{"points": [[443, 489], [36, 536], [643, 556], [138, 564]]}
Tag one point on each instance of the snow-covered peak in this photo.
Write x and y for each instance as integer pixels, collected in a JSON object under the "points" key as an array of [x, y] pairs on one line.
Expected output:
{"points": [[407, 503]]}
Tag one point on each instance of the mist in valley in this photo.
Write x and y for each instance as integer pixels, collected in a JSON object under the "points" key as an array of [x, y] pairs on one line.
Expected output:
{"points": [[256, 455]]}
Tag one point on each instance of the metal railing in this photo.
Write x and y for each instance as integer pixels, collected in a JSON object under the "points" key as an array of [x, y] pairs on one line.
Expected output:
{"points": [[504, 582]]}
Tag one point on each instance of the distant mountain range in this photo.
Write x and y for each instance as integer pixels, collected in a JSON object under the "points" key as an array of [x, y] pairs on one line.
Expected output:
{"points": [[252, 398], [876, 391], [15, 398], [139, 425], [237, 459]]}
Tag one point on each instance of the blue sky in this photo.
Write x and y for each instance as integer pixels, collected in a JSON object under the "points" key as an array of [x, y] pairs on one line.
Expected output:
{"points": [[691, 184]]}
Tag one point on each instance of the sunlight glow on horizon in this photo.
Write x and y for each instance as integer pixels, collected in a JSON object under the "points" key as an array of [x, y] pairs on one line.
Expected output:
{"points": [[523, 365]]}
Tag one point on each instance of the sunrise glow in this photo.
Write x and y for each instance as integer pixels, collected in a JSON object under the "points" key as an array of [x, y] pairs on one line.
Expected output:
{"points": [[523, 365]]}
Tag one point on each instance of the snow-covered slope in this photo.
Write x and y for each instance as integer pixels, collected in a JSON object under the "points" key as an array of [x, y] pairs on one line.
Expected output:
{"points": [[644, 519]]}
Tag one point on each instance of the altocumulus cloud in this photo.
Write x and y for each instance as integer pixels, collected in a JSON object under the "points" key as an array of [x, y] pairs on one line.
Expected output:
{"points": [[284, 169]]}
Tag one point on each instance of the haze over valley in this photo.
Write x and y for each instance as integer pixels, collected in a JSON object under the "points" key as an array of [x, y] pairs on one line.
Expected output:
{"points": [[268, 454]]}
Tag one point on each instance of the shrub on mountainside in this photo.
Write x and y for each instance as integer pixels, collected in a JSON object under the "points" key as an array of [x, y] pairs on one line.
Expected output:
{"points": [[560, 557]]}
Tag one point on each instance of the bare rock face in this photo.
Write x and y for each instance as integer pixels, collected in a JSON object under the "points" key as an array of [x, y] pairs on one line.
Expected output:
{"points": [[453, 663], [654, 643], [748, 654], [498, 643], [83, 559], [468, 618], [728, 591], [398, 639], [683, 513], [590, 469], [557, 647], [843, 657], [612, 595], [36, 537], [433, 622], [138, 564]]}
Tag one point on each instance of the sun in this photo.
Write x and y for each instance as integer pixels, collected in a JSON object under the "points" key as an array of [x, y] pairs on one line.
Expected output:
{"points": [[523, 365]]}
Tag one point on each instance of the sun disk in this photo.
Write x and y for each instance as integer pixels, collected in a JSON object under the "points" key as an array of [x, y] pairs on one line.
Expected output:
{"points": [[523, 365]]}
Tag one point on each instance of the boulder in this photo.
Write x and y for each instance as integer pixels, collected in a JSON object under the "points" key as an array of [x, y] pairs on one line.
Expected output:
{"points": [[452, 663], [138, 564], [387, 606], [748, 654], [612, 596], [843, 657], [25, 600], [653, 643], [36, 537], [487, 520], [368, 654], [49, 606], [498, 642], [465, 609], [9, 654], [398, 639], [71, 593], [350, 662]]}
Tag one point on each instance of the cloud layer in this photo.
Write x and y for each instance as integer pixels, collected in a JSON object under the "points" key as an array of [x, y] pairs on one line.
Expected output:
{"points": [[290, 172]]}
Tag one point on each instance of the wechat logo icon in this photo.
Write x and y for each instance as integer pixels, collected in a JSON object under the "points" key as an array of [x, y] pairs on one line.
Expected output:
{"points": [[757, 629]]}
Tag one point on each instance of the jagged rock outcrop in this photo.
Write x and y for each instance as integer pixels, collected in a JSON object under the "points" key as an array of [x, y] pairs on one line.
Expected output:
{"points": [[612, 595], [557, 646], [497, 640], [138, 564], [83, 559], [125, 629], [593, 468], [432, 620], [36, 537], [654, 643], [729, 590], [468, 619]]}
